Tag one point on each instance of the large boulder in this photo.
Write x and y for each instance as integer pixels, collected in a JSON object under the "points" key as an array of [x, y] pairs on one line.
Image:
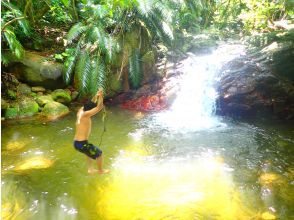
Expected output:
{"points": [[36, 70], [249, 86], [54, 110]]}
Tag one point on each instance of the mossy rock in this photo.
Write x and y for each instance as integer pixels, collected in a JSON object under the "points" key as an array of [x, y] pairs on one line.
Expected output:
{"points": [[11, 94], [11, 112], [44, 99], [25, 108], [28, 107], [38, 89], [54, 110], [24, 89], [33, 94], [37, 70], [62, 96], [4, 104]]}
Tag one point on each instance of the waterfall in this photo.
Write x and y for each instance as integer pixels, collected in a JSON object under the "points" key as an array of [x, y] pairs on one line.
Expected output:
{"points": [[194, 106]]}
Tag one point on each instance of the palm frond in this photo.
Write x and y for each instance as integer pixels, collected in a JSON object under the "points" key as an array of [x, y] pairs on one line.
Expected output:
{"points": [[75, 32], [83, 72], [135, 70], [14, 45], [111, 48], [98, 76], [69, 65], [156, 17]]}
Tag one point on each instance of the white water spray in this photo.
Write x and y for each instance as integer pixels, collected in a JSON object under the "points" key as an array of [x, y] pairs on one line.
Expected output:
{"points": [[194, 107]]}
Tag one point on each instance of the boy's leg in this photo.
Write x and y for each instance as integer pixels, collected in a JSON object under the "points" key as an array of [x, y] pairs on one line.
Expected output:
{"points": [[100, 164], [90, 165]]}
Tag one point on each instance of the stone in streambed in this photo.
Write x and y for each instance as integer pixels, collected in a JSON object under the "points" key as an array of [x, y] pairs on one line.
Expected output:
{"points": [[15, 145], [44, 99], [11, 112], [24, 89], [38, 89], [25, 108], [28, 107], [54, 110]]}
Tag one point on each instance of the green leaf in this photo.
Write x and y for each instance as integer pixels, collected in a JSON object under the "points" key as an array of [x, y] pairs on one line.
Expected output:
{"points": [[65, 2], [75, 32], [14, 45], [98, 76], [135, 69], [69, 65]]}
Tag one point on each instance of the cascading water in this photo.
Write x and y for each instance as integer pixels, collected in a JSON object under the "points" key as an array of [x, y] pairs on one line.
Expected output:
{"points": [[194, 107]]}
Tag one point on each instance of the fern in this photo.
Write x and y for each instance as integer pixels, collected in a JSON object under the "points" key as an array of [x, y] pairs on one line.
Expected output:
{"points": [[83, 72], [98, 76], [75, 32], [70, 65], [135, 70]]}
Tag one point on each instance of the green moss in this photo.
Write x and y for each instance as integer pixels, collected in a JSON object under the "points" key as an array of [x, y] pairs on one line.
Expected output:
{"points": [[62, 96], [28, 108], [11, 94], [33, 94], [54, 110], [44, 99], [11, 112]]}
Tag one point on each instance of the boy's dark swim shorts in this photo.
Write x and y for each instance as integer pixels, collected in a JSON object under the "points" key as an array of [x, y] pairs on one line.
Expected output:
{"points": [[89, 149]]}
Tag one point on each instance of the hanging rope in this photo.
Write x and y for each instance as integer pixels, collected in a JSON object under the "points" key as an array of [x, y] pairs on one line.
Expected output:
{"points": [[104, 117]]}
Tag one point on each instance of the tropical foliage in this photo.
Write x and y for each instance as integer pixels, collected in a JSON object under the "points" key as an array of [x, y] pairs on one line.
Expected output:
{"points": [[114, 39]]}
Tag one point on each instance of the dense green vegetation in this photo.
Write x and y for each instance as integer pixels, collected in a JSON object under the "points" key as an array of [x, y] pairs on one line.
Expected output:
{"points": [[108, 40]]}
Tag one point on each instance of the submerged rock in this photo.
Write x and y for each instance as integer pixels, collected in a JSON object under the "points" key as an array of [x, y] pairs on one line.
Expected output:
{"points": [[15, 145], [54, 110], [34, 163], [10, 210], [268, 216]]}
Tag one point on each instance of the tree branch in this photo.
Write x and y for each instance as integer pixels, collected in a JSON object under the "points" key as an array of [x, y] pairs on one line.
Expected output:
{"points": [[11, 21]]}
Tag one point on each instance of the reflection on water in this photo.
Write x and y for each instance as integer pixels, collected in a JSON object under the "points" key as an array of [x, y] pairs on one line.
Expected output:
{"points": [[176, 188]]}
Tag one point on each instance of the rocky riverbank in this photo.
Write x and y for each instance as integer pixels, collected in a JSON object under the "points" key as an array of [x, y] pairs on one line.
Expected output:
{"points": [[259, 84]]}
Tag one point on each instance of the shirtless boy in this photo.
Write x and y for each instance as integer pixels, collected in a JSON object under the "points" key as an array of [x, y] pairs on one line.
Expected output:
{"points": [[83, 130]]}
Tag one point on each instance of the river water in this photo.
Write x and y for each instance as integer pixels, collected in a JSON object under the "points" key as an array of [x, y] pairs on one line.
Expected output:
{"points": [[184, 163]]}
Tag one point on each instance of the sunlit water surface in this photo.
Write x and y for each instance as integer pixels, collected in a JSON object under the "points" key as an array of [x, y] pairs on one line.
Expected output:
{"points": [[163, 166]]}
